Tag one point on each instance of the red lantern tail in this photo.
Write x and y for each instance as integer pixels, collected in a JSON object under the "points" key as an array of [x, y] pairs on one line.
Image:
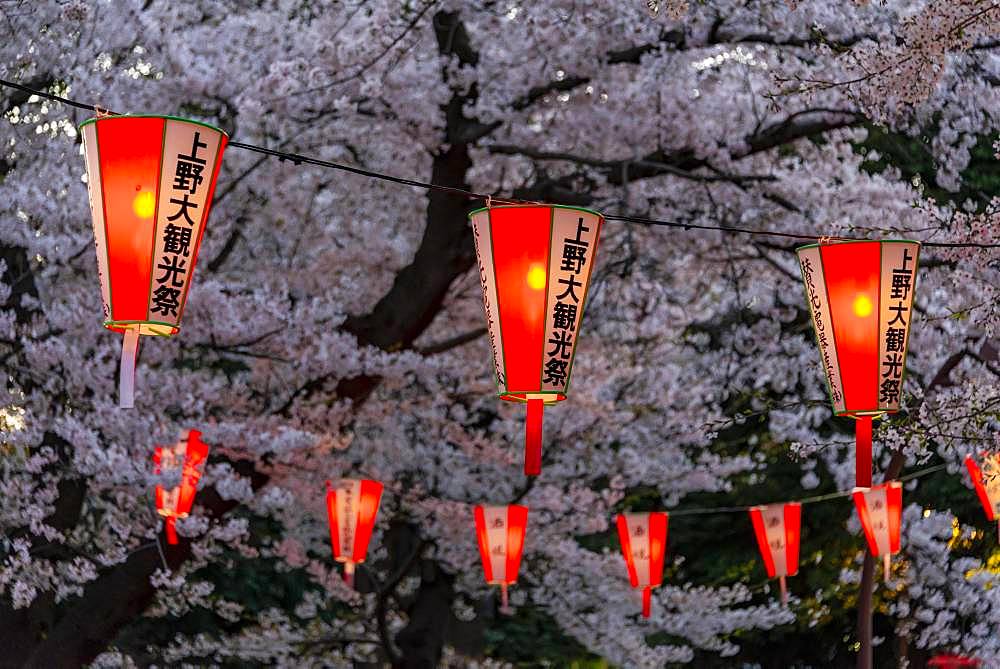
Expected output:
{"points": [[647, 602], [863, 452], [533, 438], [126, 374], [171, 531]]}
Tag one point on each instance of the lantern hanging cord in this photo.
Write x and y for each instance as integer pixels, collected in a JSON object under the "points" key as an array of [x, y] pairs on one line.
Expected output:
{"points": [[300, 159], [805, 500]]}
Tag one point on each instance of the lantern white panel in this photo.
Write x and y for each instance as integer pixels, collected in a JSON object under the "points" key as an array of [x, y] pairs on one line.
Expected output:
{"points": [[990, 470], [896, 284], [638, 539], [96, 193], [487, 280], [496, 540], [878, 516], [188, 163], [819, 306], [348, 494], [573, 247], [773, 516]]}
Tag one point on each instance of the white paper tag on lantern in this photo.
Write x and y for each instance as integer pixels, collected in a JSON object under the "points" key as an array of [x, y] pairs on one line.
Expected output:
{"points": [[897, 281], [819, 306], [347, 495], [96, 194], [496, 538], [487, 282]]}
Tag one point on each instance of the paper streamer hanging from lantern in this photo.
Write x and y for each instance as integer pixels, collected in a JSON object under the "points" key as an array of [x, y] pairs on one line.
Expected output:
{"points": [[987, 483], [880, 509], [150, 180], [500, 533], [860, 294], [643, 537], [189, 456], [777, 528], [535, 263], [351, 507]]}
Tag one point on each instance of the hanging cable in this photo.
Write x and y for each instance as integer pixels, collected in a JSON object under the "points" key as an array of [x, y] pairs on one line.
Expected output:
{"points": [[299, 159]]}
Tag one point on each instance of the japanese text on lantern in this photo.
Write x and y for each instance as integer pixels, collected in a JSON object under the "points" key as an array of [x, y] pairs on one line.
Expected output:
{"points": [[899, 262], [188, 160], [349, 520], [484, 249], [812, 271], [573, 250]]}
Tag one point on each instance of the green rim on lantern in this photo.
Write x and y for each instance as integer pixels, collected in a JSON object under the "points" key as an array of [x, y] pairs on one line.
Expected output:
{"points": [[163, 116], [858, 241], [529, 205], [154, 328]]}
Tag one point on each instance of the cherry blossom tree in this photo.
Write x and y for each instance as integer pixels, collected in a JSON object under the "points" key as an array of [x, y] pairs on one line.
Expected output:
{"points": [[335, 327]]}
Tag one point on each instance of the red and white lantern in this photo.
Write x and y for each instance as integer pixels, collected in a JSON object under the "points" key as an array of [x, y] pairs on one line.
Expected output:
{"points": [[189, 456], [777, 527], [643, 537], [880, 509], [987, 482], [351, 508], [953, 662], [860, 294], [150, 180], [535, 263], [500, 533]]}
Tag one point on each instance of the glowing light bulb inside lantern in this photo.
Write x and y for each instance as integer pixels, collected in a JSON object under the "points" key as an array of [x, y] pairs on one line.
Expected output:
{"points": [[862, 306], [144, 204], [536, 277]]}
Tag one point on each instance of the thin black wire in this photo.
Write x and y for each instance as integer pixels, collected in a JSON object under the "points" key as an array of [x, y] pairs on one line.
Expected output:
{"points": [[299, 159]]}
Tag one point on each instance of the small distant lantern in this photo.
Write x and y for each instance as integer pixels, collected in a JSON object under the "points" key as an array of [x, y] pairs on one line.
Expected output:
{"points": [[643, 537], [500, 532], [987, 484], [535, 263], [860, 294], [351, 507], [189, 455], [777, 529], [881, 511], [150, 180]]}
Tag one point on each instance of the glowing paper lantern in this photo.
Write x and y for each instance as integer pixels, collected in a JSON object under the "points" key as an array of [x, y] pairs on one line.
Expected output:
{"points": [[860, 294], [500, 532], [953, 662], [777, 529], [189, 455], [150, 180], [643, 537], [988, 485], [535, 263], [881, 510], [351, 507]]}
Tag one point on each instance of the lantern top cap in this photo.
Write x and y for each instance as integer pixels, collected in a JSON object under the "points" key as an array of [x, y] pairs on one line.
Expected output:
{"points": [[535, 206], [163, 116], [857, 241], [761, 507]]}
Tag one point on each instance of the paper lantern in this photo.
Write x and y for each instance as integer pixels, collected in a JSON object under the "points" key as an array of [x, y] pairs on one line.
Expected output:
{"points": [[535, 263], [860, 294], [881, 510], [643, 537], [189, 456], [987, 484], [777, 529], [351, 507], [150, 180], [500, 532], [953, 662]]}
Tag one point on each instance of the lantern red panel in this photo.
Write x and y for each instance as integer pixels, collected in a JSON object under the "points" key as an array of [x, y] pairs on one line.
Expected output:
{"points": [[880, 509], [535, 263], [860, 294], [643, 537], [351, 508], [777, 528], [500, 535], [189, 455], [953, 662], [150, 181], [987, 483]]}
